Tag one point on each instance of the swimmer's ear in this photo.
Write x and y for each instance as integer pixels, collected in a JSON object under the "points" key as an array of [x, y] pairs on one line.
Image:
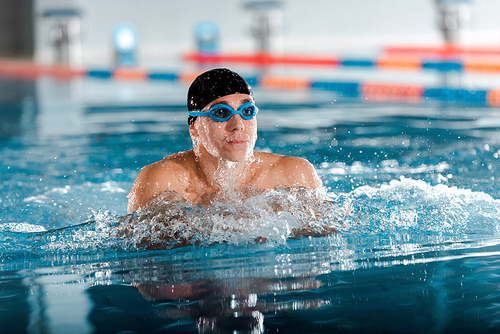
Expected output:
{"points": [[193, 131]]}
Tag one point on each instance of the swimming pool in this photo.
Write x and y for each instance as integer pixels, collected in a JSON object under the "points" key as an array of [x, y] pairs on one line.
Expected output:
{"points": [[414, 192]]}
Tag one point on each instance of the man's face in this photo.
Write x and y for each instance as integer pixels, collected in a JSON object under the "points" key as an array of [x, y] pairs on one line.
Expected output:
{"points": [[232, 140]]}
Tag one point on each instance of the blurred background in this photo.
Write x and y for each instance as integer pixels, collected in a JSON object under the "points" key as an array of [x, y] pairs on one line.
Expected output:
{"points": [[84, 32], [83, 55]]}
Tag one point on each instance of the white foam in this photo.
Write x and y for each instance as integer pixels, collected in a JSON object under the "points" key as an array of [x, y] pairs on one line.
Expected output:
{"points": [[386, 166], [417, 204], [111, 187], [21, 228]]}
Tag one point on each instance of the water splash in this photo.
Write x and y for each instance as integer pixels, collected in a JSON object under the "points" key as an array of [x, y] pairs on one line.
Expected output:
{"points": [[398, 218], [415, 205], [273, 216], [21, 228]]}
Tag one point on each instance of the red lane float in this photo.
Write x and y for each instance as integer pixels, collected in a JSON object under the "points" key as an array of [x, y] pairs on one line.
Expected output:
{"points": [[263, 59], [493, 98], [29, 71], [285, 83], [130, 74], [483, 66], [405, 62], [377, 91]]}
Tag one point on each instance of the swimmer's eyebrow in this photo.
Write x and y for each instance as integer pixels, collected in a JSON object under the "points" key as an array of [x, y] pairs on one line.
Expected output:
{"points": [[226, 102]]}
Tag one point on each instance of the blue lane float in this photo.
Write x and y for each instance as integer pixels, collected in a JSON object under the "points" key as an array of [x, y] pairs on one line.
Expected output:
{"points": [[163, 76], [100, 74], [358, 63], [468, 97], [441, 66], [348, 89]]}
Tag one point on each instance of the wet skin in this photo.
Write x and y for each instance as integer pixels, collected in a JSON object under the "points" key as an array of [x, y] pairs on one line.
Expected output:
{"points": [[222, 164]]}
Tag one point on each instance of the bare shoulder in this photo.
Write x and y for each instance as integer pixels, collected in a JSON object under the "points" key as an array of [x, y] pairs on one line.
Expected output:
{"points": [[167, 169], [153, 179], [288, 171], [181, 161]]}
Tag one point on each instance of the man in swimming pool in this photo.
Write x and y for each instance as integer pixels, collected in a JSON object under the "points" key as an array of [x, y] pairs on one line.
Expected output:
{"points": [[223, 162]]}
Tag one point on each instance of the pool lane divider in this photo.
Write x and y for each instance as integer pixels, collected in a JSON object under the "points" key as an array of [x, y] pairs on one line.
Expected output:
{"points": [[444, 50], [409, 61], [369, 91], [25, 70]]}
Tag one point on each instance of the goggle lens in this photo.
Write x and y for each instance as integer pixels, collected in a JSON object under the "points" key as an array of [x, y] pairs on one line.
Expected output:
{"points": [[248, 111], [220, 112]]}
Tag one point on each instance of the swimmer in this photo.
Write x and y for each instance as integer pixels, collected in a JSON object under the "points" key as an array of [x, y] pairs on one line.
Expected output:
{"points": [[223, 165]]}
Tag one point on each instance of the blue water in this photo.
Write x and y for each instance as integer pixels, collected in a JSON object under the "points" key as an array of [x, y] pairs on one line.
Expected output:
{"points": [[412, 191]]}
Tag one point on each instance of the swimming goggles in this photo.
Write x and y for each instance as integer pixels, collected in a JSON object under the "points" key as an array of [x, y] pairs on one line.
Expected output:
{"points": [[223, 112]]}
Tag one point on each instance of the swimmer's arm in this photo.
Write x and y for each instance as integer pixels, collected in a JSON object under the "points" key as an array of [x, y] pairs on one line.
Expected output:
{"points": [[152, 181]]}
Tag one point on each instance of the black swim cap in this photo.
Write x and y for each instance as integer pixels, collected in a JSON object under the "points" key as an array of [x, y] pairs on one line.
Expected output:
{"points": [[213, 84]]}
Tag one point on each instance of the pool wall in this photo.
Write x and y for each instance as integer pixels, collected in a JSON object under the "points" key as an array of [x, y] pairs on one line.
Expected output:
{"points": [[166, 28]]}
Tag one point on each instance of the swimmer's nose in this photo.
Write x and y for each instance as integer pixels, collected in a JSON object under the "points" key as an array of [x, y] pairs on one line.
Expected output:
{"points": [[236, 123]]}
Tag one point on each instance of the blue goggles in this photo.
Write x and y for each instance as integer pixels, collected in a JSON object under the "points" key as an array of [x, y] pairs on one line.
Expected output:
{"points": [[223, 112]]}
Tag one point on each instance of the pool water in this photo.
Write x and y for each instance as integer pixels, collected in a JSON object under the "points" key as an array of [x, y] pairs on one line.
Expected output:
{"points": [[411, 189]]}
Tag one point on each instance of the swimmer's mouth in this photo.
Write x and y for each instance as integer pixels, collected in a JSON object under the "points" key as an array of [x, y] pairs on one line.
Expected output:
{"points": [[237, 141]]}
